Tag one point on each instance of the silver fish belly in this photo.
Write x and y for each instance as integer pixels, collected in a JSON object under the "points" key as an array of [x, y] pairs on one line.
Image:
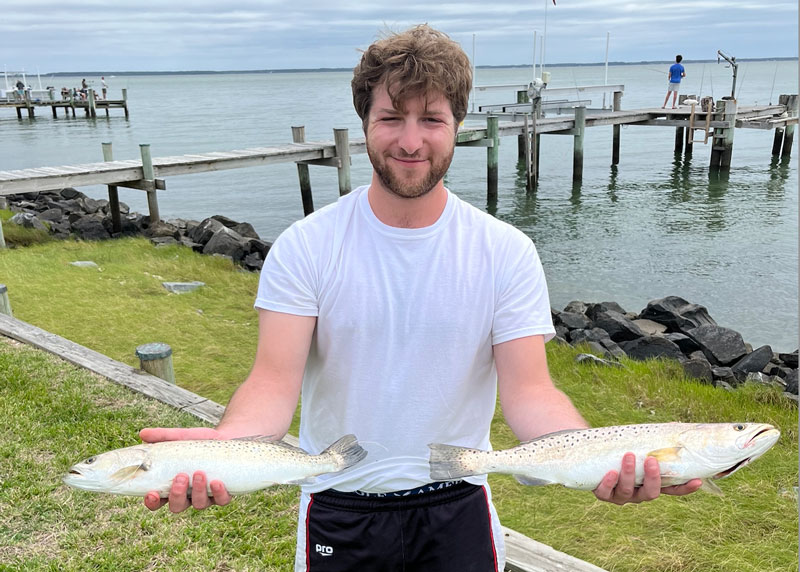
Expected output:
{"points": [[580, 458], [243, 465]]}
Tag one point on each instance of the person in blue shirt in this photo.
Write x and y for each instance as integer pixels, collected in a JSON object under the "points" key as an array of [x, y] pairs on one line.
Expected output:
{"points": [[676, 72]]}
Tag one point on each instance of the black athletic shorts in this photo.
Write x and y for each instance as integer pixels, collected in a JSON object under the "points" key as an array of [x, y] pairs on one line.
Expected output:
{"points": [[445, 530]]}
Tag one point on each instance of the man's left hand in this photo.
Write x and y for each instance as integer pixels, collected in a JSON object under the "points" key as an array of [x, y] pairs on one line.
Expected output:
{"points": [[620, 488]]}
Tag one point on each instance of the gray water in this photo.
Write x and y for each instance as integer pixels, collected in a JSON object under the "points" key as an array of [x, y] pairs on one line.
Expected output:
{"points": [[655, 225]]}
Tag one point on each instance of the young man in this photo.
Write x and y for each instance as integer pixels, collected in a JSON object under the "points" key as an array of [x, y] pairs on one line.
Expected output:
{"points": [[675, 74], [401, 311]]}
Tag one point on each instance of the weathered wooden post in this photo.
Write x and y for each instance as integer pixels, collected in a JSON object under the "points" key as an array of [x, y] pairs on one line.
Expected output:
{"points": [[617, 130], [577, 153], [299, 136], [790, 101], [341, 140], [150, 181], [156, 359], [92, 109], [113, 194], [125, 101], [527, 143], [722, 142], [29, 105], [2, 238], [492, 155], [523, 147], [5, 305]]}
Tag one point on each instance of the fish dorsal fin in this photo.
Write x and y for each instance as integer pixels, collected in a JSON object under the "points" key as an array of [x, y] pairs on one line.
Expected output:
{"points": [[667, 455], [553, 434], [711, 487], [258, 438], [126, 473]]}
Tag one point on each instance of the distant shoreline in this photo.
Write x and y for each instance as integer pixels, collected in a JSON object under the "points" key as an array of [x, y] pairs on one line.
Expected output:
{"points": [[313, 70]]}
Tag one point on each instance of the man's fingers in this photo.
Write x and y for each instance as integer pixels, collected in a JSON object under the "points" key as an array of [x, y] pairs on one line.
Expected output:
{"points": [[153, 501], [200, 498], [683, 489], [220, 493], [178, 501]]}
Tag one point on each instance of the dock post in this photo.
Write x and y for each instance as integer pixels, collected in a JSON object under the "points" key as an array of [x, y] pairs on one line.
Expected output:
{"points": [[2, 238], [722, 142], [341, 139], [113, 194], [299, 136], [149, 175], [577, 151], [5, 305], [156, 359], [492, 154], [527, 143], [125, 101], [617, 130], [31, 113], [787, 137], [92, 106], [522, 146]]}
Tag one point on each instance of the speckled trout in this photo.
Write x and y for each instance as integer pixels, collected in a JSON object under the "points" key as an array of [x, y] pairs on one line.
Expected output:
{"points": [[244, 465], [579, 458]]}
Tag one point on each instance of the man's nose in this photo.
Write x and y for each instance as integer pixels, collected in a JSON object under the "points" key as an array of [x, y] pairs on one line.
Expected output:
{"points": [[410, 140]]}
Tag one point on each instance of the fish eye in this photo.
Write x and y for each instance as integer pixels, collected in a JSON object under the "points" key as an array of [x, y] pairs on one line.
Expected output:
{"points": [[738, 427], [90, 460]]}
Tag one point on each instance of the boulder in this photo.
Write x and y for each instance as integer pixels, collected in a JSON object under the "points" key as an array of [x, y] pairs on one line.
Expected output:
{"points": [[722, 346], [260, 246], [753, 362], [572, 320], [687, 344], [698, 368], [676, 313], [651, 347], [576, 307], [163, 229], [28, 220], [790, 360], [51, 214], [207, 228], [592, 310], [90, 227], [246, 230], [582, 335], [70, 193], [619, 327], [791, 382], [226, 242], [649, 327], [253, 261]]}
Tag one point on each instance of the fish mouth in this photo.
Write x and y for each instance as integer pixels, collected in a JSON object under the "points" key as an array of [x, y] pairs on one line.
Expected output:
{"points": [[757, 435], [732, 469]]}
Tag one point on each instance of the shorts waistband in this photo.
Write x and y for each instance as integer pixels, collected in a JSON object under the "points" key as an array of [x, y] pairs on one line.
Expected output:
{"points": [[426, 495]]}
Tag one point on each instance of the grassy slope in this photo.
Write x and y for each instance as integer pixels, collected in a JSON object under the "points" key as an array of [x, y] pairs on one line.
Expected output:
{"points": [[213, 333]]}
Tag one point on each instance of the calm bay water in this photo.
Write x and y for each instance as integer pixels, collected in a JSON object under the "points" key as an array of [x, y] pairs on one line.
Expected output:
{"points": [[655, 225]]}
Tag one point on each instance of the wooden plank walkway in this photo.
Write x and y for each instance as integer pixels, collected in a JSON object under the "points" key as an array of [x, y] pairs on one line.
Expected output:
{"points": [[523, 554]]}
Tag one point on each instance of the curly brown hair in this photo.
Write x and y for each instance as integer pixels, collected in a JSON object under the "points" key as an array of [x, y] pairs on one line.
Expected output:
{"points": [[413, 63]]}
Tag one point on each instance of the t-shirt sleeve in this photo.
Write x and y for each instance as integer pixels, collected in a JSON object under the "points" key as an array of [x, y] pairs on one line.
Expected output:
{"points": [[523, 303], [288, 281]]}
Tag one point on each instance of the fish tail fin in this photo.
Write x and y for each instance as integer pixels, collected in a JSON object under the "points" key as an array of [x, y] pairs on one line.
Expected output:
{"points": [[449, 462], [346, 451]]}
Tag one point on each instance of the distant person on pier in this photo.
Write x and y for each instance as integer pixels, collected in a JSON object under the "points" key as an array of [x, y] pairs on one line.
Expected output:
{"points": [[675, 74], [400, 312], [105, 86], [20, 89], [84, 89]]}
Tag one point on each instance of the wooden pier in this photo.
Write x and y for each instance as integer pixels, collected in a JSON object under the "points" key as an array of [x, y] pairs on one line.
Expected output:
{"points": [[148, 174], [90, 105]]}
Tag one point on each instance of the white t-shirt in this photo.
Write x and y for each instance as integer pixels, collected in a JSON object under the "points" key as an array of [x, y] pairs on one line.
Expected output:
{"points": [[406, 320]]}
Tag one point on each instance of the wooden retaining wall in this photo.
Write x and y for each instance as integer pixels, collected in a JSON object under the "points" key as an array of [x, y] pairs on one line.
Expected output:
{"points": [[523, 554]]}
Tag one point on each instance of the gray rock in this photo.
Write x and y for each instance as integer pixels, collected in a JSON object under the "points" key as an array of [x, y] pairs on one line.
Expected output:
{"points": [[260, 246], [84, 264], [163, 229], [576, 307], [90, 227], [51, 214], [676, 313], [687, 344], [789, 359], [182, 287], [587, 335], [28, 220], [592, 310], [698, 368], [204, 231], [228, 222], [649, 327], [573, 320], [70, 193], [253, 261], [651, 347], [226, 242], [791, 382], [246, 230], [619, 327], [162, 241], [755, 361], [90, 205], [723, 373], [722, 346]]}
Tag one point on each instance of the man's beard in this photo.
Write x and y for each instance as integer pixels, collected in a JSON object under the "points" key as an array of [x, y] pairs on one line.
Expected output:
{"points": [[409, 189]]}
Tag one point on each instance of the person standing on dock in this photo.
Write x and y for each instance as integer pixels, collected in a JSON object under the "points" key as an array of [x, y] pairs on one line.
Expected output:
{"points": [[104, 86], [400, 312], [676, 73]]}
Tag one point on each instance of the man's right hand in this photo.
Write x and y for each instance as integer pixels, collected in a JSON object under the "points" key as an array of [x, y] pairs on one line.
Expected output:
{"points": [[178, 500]]}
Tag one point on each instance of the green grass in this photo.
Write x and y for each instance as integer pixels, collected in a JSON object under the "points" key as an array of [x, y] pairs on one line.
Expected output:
{"points": [[55, 415], [16, 235]]}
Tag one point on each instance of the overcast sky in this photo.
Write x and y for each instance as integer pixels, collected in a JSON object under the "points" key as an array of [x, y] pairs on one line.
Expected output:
{"points": [[182, 35]]}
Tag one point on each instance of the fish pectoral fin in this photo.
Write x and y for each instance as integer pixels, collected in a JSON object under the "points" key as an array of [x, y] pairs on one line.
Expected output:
{"points": [[666, 455], [531, 481], [125, 473], [711, 487], [303, 481]]}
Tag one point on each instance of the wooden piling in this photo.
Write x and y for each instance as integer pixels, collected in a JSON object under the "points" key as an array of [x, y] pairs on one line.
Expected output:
{"points": [[5, 305], [156, 359], [149, 177], [92, 109], [526, 141], [492, 155], [577, 150], [2, 238], [299, 136], [617, 130], [113, 194], [722, 142], [341, 139], [125, 101], [523, 147]]}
